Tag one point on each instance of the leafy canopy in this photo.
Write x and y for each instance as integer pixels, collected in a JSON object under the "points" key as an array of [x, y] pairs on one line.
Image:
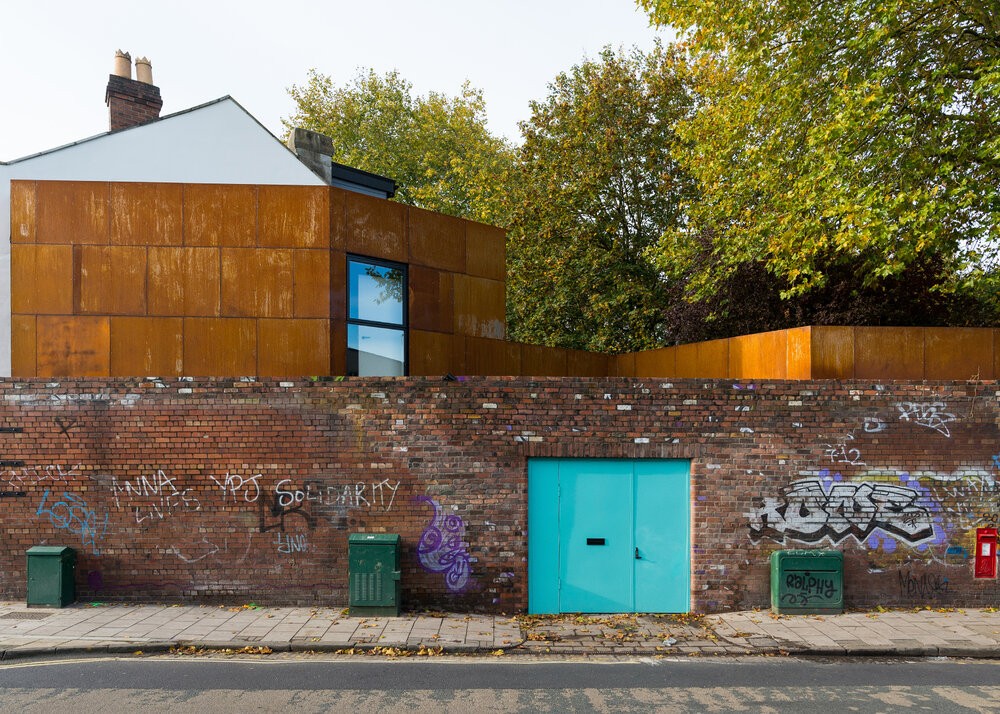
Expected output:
{"points": [[594, 188], [436, 147], [836, 133]]}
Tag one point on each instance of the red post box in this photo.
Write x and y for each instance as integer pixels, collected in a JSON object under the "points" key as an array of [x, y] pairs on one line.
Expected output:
{"points": [[986, 553]]}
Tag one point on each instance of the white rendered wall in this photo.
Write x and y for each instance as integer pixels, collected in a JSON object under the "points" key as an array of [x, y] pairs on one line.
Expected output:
{"points": [[217, 143]]}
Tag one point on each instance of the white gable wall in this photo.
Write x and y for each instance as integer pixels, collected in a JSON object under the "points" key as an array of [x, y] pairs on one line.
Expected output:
{"points": [[216, 143]]}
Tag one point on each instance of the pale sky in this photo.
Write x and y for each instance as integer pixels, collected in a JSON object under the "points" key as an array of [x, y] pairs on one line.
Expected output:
{"points": [[55, 55]]}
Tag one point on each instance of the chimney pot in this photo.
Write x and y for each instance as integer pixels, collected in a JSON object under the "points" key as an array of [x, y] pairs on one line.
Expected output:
{"points": [[131, 101], [122, 65], [144, 70]]}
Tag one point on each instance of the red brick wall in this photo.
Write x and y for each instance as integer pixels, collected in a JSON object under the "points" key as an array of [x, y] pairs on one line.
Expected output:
{"points": [[167, 488]]}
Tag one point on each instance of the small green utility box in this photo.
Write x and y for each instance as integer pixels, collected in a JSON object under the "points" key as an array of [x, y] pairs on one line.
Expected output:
{"points": [[807, 582], [51, 576], [373, 571]]}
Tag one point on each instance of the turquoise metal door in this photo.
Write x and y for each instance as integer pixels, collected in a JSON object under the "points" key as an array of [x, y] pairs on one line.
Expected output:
{"points": [[595, 537], [662, 533], [608, 535]]}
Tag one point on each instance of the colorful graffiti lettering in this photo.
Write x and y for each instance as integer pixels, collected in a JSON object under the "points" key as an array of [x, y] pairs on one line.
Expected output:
{"points": [[810, 510], [441, 548], [73, 514]]}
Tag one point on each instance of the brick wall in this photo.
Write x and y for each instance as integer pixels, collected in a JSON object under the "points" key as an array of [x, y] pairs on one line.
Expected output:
{"points": [[247, 490]]}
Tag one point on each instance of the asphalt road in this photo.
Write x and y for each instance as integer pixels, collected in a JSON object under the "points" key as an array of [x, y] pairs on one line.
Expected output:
{"points": [[310, 684]]}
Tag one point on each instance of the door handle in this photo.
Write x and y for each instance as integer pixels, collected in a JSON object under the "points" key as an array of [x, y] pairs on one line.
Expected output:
{"points": [[637, 556]]}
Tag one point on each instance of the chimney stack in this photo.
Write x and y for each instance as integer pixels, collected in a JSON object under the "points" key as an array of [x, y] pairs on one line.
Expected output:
{"points": [[131, 101]]}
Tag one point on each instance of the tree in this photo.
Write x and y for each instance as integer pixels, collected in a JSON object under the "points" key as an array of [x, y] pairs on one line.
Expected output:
{"points": [[847, 139], [595, 186], [437, 148]]}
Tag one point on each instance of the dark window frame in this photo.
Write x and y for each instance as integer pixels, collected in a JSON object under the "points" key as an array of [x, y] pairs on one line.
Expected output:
{"points": [[403, 325]]}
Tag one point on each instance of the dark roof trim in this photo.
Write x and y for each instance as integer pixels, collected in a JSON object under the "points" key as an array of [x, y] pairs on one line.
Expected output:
{"points": [[375, 182]]}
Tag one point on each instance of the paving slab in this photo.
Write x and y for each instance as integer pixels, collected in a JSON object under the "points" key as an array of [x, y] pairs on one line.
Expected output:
{"points": [[155, 628]]}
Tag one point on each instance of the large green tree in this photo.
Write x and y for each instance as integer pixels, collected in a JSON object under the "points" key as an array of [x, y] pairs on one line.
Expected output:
{"points": [[436, 147], [841, 139], [595, 186]]}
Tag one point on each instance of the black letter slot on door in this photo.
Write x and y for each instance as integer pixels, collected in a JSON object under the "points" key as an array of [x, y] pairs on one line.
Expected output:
{"points": [[595, 541]]}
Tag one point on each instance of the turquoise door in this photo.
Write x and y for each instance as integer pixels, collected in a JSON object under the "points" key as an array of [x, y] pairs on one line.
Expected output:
{"points": [[608, 536]]}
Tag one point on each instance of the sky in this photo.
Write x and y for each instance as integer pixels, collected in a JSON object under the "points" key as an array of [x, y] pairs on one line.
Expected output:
{"points": [[56, 55]]}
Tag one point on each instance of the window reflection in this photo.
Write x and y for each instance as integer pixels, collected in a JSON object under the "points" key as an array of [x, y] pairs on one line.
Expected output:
{"points": [[375, 351], [376, 318]]}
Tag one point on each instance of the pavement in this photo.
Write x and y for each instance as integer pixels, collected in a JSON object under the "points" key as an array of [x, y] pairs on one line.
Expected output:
{"points": [[98, 628]]}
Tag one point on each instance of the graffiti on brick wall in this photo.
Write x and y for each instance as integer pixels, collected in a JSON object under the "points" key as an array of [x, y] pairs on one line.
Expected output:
{"points": [[927, 414], [289, 544], [238, 487], [441, 548], [154, 497], [378, 495], [828, 508], [278, 512], [925, 586], [74, 515], [15, 478]]}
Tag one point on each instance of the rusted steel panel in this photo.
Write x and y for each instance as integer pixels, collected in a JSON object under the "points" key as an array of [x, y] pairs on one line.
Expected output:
{"points": [[23, 340], [798, 355], [219, 346], [436, 240], [375, 227], [996, 353], [293, 348], [338, 347], [480, 308], [703, 359], [624, 365], [337, 198], [431, 353], [257, 282], [492, 357], [539, 361], [73, 346], [958, 353], [338, 286], [832, 352], [655, 363], [889, 352], [147, 346], [22, 211], [184, 282], [758, 356], [146, 213], [431, 299], [486, 251], [110, 280], [41, 279], [216, 215], [586, 364], [73, 212], [312, 283], [293, 216]]}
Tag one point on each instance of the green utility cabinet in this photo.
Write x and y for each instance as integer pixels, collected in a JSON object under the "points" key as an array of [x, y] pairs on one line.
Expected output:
{"points": [[51, 576], [807, 582], [373, 572]]}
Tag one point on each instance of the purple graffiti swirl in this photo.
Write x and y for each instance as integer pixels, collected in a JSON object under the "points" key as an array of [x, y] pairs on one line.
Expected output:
{"points": [[441, 548]]}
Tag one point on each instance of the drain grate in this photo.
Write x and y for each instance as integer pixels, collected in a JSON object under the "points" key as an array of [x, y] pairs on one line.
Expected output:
{"points": [[25, 616]]}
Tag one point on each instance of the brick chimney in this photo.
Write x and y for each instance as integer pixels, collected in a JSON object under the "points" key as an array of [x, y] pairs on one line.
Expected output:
{"points": [[131, 101]]}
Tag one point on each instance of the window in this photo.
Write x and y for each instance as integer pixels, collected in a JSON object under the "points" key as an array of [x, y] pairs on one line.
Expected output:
{"points": [[376, 318]]}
